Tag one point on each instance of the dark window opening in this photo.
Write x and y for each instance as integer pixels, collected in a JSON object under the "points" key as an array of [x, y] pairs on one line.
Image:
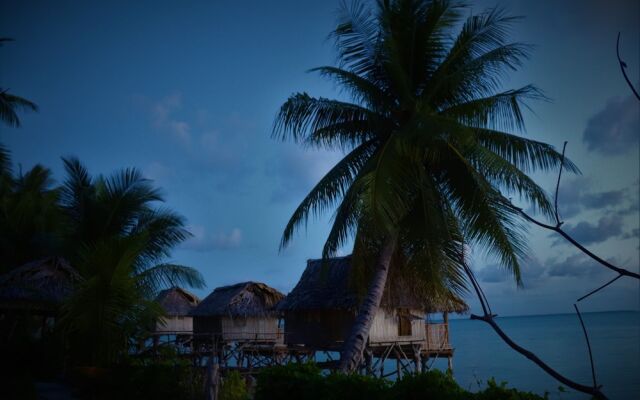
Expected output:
{"points": [[404, 322]]}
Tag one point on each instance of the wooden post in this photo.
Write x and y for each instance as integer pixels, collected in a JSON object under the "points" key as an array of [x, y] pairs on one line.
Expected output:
{"points": [[214, 379], [446, 327], [424, 360], [213, 372], [446, 338], [416, 359]]}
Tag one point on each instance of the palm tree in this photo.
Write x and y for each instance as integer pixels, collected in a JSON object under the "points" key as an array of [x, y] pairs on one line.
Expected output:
{"points": [[10, 103], [119, 242], [31, 221], [431, 144]]}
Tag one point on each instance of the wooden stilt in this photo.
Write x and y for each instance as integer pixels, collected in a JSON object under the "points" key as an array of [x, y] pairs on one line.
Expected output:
{"points": [[416, 362]]}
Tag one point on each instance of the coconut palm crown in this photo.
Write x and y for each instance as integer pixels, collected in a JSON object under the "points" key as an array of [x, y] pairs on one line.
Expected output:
{"points": [[432, 142]]}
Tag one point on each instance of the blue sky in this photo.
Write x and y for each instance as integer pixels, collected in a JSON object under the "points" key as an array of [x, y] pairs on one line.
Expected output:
{"points": [[187, 92]]}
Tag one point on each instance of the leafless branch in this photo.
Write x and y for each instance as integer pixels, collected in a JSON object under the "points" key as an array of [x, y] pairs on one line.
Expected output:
{"points": [[586, 336], [623, 67], [600, 288], [558, 228], [490, 319]]}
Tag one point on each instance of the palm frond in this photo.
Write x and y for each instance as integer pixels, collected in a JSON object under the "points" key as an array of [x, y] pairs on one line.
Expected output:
{"points": [[357, 40], [301, 116], [526, 154], [10, 104], [168, 275], [501, 111], [328, 190]]}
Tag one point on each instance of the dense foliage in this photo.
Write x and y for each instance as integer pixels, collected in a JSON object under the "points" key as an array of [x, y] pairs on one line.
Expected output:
{"points": [[168, 379], [234, 387], [306, 382], [113, 232]]}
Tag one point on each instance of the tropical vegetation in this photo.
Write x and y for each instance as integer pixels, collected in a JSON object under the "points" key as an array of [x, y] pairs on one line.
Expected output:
{"points": [[432, 147], [305, 381], [112, 231]]}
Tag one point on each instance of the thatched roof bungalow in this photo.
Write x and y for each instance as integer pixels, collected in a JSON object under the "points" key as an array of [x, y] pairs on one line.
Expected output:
{"points": [[39, 286], [177, 304], [241, 312], [321, 309]]}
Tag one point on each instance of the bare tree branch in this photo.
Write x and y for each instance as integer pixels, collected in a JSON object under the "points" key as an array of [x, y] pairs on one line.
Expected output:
{"points": [[586, 336], [623, 66], [489, 319], [558, 228]]}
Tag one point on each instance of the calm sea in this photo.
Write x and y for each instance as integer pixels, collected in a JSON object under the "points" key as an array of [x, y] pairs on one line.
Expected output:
{"points": [[558, 340]]}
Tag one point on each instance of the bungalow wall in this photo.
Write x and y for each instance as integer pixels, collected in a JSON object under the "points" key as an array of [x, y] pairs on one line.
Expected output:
{"points": [[250, 329], [323, 329], [239, 328], [327, 329], [175, 324], [397, 325]]}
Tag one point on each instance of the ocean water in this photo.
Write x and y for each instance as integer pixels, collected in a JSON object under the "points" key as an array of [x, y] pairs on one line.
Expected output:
{"points": [[559, 341]]}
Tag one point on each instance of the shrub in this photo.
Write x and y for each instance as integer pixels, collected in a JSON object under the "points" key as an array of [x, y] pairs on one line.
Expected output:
{"points": [[233, 387], [495, 391], [432, 384], [171, 378], [340, 386], [295, 381], [292, 381]]}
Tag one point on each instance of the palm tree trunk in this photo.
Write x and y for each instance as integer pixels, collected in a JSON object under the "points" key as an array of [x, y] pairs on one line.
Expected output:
{"points": [[357, 340]]}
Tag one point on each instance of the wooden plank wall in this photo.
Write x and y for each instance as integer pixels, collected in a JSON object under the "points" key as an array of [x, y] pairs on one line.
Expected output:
{"points": [[175, 324], [251, 328], [385, 327]]}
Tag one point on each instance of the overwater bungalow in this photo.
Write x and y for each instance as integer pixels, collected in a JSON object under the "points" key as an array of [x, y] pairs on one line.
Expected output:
{"points": [[244, 312], [319, 313], [177, 304], [35, 291]]}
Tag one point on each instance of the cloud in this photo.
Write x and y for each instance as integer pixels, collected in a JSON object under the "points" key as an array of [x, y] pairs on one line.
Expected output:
{"points": [[577, 195], [635, 233], [587, 233], [218, 147], [163, 118], [531, 271], [203, 241], [570, 196], [536, 273], [614, 130], [576, 265], [296, 171], [158, 171], [603, 199]]}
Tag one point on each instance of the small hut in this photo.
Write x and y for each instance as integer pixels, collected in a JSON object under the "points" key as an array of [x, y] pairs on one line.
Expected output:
{"points": [[39, 286], [31, 295], [320, 311], [177, 304], [244, 312]]}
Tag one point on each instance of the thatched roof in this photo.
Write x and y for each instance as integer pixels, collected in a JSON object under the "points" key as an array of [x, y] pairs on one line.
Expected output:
{"points": [[327, 286], [39, 285], [247, 299], [177, 302]]}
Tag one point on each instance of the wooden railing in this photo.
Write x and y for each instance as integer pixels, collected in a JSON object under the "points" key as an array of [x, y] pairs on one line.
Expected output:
{"points": [[437, 336]]}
